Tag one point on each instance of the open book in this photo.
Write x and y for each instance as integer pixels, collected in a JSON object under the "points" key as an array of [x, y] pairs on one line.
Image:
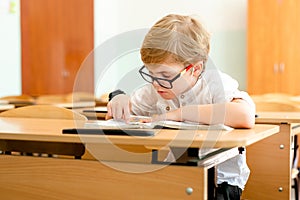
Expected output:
{"points": [[136, 123]]}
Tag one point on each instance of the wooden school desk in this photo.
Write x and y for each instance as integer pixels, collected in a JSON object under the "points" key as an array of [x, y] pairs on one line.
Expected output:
{"points": [[19, 100], [24, 177], [4, 107], [270, 160], [98, 112]]}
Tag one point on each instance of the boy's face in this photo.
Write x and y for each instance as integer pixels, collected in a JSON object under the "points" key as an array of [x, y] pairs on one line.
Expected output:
{"points": [[172, 79]]}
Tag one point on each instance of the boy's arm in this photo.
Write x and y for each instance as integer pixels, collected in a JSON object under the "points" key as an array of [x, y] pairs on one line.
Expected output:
{"points": [[237, 114]]}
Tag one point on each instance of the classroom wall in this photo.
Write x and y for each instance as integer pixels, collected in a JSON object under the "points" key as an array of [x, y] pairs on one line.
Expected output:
{"points": [[225, 20], [10, 50]]}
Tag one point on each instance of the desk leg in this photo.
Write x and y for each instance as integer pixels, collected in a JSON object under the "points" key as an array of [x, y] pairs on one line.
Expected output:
{"points": [[270, 163]]}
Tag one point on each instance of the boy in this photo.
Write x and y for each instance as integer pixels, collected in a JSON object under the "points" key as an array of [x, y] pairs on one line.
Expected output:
{"points": [[183, 87]]}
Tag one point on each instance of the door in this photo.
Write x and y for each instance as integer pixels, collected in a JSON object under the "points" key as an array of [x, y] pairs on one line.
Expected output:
{"points": [[262, 46], [56, 37], [289, 59], [273, 46]]}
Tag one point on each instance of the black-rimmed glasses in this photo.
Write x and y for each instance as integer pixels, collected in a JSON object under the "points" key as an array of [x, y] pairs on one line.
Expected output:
{"points": [[165, 83]]}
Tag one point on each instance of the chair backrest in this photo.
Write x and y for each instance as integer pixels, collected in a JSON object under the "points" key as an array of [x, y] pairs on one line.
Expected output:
{"points": [[272, 97], [277, 96], [51, 99], [43, 111], [22, 97], [276, 106], [66, 100], [276, 102], [295, 99], [19, 100], [80, 96]]}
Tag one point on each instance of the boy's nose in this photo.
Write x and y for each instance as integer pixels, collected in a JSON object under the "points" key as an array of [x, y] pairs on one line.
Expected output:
{"points": [[155, 83]]}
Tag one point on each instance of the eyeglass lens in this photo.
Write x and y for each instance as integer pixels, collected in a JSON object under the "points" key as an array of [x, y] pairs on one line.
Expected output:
{"points": [[161, 82]]}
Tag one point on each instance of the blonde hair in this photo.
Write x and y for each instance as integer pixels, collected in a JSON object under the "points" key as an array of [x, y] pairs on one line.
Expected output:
{"points": [[179, 38]]}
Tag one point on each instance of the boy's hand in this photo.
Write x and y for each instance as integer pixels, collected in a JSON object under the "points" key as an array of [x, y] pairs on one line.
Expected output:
{"points": [[119, 108]]}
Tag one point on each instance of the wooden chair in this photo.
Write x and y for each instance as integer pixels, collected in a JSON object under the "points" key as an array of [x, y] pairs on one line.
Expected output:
{"points": [[80, 96], [19, 100], [276, 106], [295, 99], [276, 102], [72, 100], [277, 96], [49, 112], [51, 99], [43, 111], [272, 97], [65, 98]]}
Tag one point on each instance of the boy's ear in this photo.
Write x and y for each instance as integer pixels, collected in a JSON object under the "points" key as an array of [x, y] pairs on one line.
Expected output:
{"points": [[197, 68]]}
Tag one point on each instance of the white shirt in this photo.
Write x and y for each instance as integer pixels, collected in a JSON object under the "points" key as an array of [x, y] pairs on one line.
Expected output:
{"points": [[212, 87]]}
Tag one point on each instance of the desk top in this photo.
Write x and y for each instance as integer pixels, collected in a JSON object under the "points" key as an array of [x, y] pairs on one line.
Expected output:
{"points": [[33, 129], [3, 102], [93, 113], [4, 107], [278, 117], [81, 104]]}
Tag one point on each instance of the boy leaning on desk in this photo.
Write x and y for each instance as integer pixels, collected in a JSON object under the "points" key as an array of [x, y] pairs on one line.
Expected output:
{"points": [[184, 86]]}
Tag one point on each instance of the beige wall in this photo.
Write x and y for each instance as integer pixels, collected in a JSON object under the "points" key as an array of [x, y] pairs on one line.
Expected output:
{"points": [[10, 55], [225, 20]]}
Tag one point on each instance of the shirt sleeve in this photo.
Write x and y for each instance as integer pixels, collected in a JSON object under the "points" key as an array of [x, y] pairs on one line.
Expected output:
{"points": [[224, 88]]}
